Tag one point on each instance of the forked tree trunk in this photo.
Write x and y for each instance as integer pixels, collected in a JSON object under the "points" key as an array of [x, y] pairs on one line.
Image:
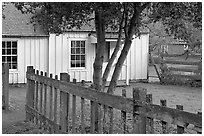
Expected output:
{"points": [[113, 56], [128, 41], [98, 63]]}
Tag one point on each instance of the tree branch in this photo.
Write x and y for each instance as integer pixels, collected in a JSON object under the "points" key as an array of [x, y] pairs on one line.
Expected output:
{"points": [[146, 4], [126, 18]]}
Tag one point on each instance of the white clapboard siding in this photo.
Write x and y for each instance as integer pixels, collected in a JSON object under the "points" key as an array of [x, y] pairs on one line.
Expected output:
{"points": [[138, 63], [32, 51], [52, 54], [59, 55]]}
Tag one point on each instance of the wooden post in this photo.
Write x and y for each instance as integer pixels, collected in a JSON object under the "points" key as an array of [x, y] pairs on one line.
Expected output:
{"points": [[73, 111], [55, 107], [92, 116], [82, 112], [199, 128], [180, 129], [41, 99], [45, 102], [5, 83], [51, 106], [164, 124], [152, 60], [32, 95], [139, 120], [64, 105], [150, 120], [36, 97], [123, 114], [28, 93], [100, 119]]}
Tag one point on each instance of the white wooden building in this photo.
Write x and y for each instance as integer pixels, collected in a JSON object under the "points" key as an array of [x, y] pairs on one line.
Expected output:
{"points": [[72, 52]]}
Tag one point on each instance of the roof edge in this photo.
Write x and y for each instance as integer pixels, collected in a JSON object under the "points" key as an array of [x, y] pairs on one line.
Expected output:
{"points": [[19, 36]]}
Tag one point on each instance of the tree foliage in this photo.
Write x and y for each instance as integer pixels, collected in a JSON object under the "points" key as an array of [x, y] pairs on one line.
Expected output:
{"points": [[175, 17]]}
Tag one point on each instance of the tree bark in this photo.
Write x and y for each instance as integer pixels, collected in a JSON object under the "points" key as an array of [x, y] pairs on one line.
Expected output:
{"points": [[128, 41], [114, 55], [98, 63]]}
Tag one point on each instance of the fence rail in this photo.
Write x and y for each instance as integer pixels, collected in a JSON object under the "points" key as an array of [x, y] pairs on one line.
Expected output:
{"points": [[179, 68], [45, 89]]}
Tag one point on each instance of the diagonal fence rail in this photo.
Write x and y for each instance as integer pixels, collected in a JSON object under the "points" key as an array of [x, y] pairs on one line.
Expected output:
{"points": [[61, 106]]}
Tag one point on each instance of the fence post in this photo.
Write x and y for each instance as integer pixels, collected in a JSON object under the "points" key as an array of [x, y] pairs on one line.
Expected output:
{"points": [[123, 113], [5, 83], [150, 120], [55, 108], [164, 124], [64, 104], [41, 100], [139, 120], [82, 111], [30, 94], [73, 111], [180, 129], [199, 131], [51, 107], [36, 97]]}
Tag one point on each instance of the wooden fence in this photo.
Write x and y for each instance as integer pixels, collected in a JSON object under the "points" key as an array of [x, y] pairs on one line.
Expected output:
{"points": [[53, 104], [5, 86], [177, 68]]}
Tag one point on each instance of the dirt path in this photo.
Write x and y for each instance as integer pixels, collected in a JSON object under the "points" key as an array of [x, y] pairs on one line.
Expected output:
{"points": [[13, 121]]}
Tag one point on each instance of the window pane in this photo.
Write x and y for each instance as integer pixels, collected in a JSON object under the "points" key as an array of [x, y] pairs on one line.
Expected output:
{"points": [[14, 45], [82, 57], [82, 43], [8, 51], [72, 63], [77, 57], [8, 44], [73, 44], [14, 59], [77, 50], [14, 66], [3, 51], [3, 44], [9, 59], [3, 59], [78, 63], [9, 65], [82, 50], [72, 57], [73, 50], [77, 43], [82, 63], [14, 51]]}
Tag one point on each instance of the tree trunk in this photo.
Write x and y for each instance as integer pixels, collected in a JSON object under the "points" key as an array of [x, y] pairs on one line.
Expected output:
{"points": [[98, 63], [119, 65], [128, 41], [113, 56]]}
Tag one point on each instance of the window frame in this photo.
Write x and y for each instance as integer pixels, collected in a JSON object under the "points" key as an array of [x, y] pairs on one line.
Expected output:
{"points": [[70, 53], [11, 40]]}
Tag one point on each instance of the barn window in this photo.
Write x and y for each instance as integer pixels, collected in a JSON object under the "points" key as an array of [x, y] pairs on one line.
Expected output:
{"points": [[78, 55], [9, 53], [164, 48]]}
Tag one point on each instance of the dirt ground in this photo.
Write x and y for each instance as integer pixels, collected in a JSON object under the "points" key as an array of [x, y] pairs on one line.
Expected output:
{"points": [[13, 120]]}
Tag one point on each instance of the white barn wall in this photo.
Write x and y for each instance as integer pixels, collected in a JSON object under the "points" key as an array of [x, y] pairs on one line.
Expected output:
{"points": [[138, 64], [52, 54], [31, 52], [59, 56]]}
